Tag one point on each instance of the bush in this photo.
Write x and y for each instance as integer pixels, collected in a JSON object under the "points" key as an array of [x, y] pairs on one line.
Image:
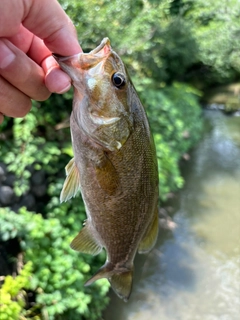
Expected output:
{"points": [[12, 294], [58, 273], [175, 118]]}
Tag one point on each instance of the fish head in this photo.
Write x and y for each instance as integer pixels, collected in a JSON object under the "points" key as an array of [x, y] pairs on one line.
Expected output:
{"points": [[102, 95]]}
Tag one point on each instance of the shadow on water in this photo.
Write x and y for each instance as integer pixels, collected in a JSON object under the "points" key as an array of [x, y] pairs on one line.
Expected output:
{"points": [[194, 271]]}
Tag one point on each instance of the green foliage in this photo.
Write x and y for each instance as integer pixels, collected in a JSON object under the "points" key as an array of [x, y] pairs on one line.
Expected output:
{"points": [[215, 27], [12, 294], [58, 274], [176, 40], [153, 44], [36, 143], [175, 119], [159, 42]]}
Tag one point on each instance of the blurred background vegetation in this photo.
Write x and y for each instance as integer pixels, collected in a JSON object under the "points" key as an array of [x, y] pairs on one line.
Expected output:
{"points": [[175, 50]]}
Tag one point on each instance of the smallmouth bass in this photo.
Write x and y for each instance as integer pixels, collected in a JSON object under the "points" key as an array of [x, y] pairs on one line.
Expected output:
{"points": [[114, 165]]}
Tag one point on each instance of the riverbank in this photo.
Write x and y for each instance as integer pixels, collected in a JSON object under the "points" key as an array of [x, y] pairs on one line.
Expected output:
{"points": [[226, 97]]}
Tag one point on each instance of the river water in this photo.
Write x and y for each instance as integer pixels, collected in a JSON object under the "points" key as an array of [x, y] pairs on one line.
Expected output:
{"points": [[194, 271]]}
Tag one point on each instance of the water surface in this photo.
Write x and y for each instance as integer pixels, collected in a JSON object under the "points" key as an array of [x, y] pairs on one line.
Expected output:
{"points": [[194, 271]]}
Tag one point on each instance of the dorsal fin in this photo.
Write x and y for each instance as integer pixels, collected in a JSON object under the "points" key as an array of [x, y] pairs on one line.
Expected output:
{"points": [[72, 182]]}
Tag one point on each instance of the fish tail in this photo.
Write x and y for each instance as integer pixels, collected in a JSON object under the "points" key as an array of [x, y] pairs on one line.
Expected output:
{"points": [[122, 284], [120, 280]]}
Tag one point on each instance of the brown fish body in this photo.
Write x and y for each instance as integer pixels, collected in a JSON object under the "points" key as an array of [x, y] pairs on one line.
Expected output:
{"points": [[114, 165]]}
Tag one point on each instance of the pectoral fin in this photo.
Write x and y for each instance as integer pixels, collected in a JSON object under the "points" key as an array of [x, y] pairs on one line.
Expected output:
{"points": [[69, 166], [150, 237], [72, 182], [85, 243], [107, 175]]}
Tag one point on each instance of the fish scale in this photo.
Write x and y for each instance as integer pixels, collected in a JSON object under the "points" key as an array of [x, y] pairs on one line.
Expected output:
{"points": [[114, 165]]}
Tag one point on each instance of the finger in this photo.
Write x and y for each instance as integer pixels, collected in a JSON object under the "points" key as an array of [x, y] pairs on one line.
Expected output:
{"points": [[30, 44], [1, 118], [49, 22], [27, 42], [38, 51], [22, 72], [55, 80], [22, 39], [13, 103], [12, 13], [44, 18]]}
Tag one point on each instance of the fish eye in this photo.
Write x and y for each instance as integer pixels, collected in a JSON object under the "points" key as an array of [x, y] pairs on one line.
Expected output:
{"points": [[118, 80]]}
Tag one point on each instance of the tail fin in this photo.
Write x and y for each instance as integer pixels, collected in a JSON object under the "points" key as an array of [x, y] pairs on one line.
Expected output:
{"points": [[121, 281], [122, 284]]}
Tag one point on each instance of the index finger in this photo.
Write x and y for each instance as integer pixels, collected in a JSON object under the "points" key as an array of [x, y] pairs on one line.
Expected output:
{"points": [[49, 22], [44, 18]]}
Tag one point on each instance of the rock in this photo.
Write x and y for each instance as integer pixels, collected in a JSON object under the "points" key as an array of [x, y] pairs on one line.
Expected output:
{"points": [[2, 175], [4, 267], [28, 201], [3, 166], [6, 195], [38, 177], [10, 178], [15, 207], [165, 221], [2, 172], [39, 191]]}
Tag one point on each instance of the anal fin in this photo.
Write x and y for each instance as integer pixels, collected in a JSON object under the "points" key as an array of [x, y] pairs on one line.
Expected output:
{"points": [[150, 237], [72, 182], [85, 242], [105, 271]]}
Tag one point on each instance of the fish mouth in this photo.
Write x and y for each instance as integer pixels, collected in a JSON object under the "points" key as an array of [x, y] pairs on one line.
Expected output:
{"points": [[104, 45], [86, 60]]}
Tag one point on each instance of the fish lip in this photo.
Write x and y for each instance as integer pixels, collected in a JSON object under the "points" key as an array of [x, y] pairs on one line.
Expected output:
{"points": [[56, 55], [60, 58], [85, 61], [105, 42]]}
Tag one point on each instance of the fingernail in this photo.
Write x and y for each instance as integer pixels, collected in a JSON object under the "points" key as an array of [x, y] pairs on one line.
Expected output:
{"points": [[65, 89], [6, 56]]}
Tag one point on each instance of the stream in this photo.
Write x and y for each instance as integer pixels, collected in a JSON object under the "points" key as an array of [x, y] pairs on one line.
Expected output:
{"points": [[194, 271]]}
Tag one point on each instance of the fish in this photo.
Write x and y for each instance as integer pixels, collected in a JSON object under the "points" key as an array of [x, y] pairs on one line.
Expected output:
{"points": [[114, 165]]}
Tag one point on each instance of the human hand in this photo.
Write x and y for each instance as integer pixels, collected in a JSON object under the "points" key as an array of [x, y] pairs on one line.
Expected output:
{"points": [[30, 30]]}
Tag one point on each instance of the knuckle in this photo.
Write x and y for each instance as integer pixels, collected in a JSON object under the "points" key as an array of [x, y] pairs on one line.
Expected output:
{"points": [[13, 103], [23, 109], [42, 96]]}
